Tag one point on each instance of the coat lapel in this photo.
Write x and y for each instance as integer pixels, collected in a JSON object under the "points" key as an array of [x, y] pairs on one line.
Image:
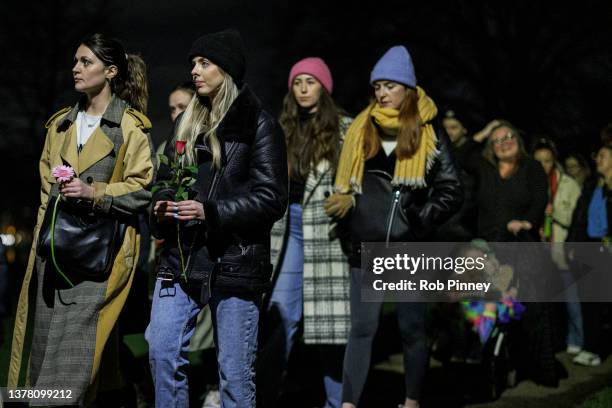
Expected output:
{"points": [[97, 147], [68, 151]]}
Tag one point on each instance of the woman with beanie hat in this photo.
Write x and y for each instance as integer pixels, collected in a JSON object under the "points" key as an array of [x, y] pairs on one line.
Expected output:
{"points": [[310, 280], [220, 257], [397, 176]]}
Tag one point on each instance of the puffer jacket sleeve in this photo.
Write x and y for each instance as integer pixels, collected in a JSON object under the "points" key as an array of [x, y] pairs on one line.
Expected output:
{"points": [[266, 201], [130, 195], [446, 194]]}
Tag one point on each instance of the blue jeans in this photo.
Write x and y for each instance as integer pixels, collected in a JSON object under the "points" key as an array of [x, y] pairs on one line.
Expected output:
{"points": [[173, 318], [575, 332], [287, 297]]}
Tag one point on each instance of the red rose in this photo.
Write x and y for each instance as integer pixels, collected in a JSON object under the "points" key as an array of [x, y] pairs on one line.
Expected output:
{"points": [[180, 147]]}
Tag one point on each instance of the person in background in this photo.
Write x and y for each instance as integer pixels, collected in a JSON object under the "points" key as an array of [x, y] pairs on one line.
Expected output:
{"points": [[179, 99], [462, 225], [512, 188], [591, 223], [394, 160], [563, 194], [311, 281], [578, 168], [512, 198]]}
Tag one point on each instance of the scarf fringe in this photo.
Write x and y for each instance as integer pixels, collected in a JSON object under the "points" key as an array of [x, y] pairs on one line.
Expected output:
{"points": [[410, 172]]}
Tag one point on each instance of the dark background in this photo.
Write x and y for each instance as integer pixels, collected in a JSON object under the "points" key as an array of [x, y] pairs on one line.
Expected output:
{"points": [[545, 67]]}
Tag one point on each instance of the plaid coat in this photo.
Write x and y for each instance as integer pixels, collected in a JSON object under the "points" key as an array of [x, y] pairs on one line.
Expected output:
{"points": [[326, 279], [73, 326]]}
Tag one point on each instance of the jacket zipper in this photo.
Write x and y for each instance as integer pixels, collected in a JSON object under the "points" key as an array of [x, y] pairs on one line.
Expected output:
{"points": [[213, 186], [396, 197]]}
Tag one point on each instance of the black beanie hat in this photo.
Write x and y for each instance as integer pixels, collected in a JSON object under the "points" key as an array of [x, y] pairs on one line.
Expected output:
{"points": [[225, 49]]}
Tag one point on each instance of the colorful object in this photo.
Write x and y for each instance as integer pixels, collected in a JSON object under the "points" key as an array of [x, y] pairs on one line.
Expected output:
{"points": [[317, 68], [62, 173], [484, 315], [180, 147], [597, 226], [396, 65], [548, 223]]}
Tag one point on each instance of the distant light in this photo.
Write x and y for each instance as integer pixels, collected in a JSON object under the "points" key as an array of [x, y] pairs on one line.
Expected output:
{"points": [[11, 230], [7, 239]]}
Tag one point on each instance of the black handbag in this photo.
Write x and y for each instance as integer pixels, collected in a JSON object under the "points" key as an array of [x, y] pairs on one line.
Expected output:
{"points": [[84, 243], [81, 244]]}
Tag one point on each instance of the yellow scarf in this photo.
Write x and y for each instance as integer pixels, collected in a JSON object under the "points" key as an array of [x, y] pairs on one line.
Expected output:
{"points": [[408, 171]]}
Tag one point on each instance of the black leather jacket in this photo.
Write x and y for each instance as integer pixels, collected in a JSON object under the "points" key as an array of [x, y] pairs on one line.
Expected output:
{"points": [[384, 213], [230, 250]]}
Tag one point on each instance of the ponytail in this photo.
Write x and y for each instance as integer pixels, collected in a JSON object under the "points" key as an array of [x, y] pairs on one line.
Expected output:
{"points": [[130, 84], [133, 87]]}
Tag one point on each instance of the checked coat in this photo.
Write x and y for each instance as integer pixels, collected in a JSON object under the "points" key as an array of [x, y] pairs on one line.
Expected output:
{"points": [[66, 329], [326, 269]]}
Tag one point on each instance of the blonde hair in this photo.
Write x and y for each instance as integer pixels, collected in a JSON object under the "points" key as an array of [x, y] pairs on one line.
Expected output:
{"points": [[204, 116]]}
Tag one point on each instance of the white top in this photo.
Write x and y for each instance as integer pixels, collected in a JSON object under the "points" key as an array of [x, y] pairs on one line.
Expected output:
{"points": [[85, 126], [389, 145]]}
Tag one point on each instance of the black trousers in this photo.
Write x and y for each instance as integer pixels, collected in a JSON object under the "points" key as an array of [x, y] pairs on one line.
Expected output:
{"points": [[364, 322]]}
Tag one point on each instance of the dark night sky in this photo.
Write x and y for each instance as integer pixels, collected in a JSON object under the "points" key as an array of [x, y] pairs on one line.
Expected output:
{"points": [[543, 67]]}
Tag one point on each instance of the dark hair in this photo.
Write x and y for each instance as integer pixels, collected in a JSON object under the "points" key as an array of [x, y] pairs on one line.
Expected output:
{"points": [[606, 135], [409, 134], [130, 83], [582, 162], [544, 142], [488, 152], [186, 86], [318, 139]]}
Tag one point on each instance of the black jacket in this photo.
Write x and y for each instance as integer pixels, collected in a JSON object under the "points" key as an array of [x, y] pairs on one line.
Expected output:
{"points": [[522, 196], [384, 213], [231, 248]]}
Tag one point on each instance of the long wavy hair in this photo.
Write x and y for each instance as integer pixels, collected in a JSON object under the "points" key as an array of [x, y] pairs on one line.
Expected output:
{"points": [[130, 83], [318, 139], [203, 116], [409, 133]]}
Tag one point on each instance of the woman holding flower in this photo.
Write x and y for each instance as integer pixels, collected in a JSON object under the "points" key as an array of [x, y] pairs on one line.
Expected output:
{"points": [[97, 158], [220, 190]]}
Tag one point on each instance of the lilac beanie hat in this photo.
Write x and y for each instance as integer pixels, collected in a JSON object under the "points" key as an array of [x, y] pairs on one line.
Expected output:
{"points": [[317, 68], [395, 65]]}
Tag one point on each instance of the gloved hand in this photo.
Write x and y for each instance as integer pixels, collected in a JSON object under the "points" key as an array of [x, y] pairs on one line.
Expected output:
{"points": [[338, 205]]}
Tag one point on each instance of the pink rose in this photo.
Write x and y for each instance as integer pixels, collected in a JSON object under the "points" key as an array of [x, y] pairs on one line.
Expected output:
{"points": [[180, 147], [62, 173]]}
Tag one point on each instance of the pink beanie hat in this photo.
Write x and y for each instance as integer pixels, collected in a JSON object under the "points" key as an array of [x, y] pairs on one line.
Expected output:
{"points": [[317, 68]]}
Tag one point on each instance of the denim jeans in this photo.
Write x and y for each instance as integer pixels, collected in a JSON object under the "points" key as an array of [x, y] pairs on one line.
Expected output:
{"points": [[173, 318], [287, 298], [575, 332]]}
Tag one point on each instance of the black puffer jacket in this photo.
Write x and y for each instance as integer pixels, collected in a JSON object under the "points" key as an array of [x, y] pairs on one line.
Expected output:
{"points": [[384, 213], [230, 251]]}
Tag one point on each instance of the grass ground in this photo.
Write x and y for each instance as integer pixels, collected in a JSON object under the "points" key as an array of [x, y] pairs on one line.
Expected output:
{"points": [[602, 399]]}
